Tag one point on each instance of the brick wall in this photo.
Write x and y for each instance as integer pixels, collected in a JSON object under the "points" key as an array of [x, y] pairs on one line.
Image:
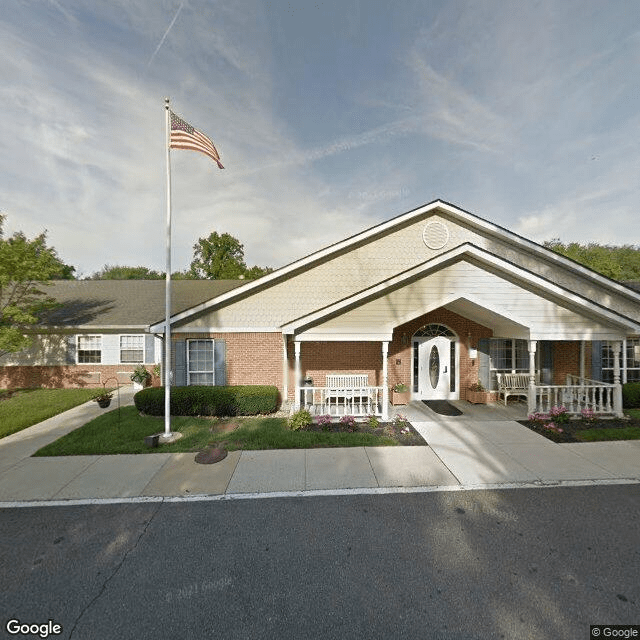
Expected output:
{"points": [[318, 359], [468, 332], [566, 359], [252, 358], [66, 376]]}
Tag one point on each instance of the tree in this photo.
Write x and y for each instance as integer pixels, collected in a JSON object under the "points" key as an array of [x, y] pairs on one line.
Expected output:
{"points": [[25, 267], [219, 257], [118, 272], [616, 262]]}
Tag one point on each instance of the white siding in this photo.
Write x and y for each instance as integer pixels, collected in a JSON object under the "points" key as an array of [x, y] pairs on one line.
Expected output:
{"points": [[45, 351], [506, 305], [381, 258]]}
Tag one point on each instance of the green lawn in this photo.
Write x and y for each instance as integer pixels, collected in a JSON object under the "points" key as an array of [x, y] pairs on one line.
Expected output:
{"points": [[603, 435], [25, 407], [113, 433]]}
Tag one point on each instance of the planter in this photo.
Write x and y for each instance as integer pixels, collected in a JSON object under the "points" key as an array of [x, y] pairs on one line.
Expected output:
{"points": [[103, 404], [479, 397], [138, 386], [400, 397]]}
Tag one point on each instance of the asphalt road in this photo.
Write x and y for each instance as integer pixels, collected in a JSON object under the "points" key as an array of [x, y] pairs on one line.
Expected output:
{"points": [[526, 563]]}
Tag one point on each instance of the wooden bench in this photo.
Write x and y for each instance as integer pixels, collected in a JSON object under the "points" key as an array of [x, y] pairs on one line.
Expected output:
{"points": [[340, 385], [512, 384]]}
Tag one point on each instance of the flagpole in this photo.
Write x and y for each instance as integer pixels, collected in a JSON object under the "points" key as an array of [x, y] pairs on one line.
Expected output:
{"points": [[167, 299]]}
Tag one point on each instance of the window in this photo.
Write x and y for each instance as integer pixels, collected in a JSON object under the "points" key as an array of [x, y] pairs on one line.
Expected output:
{"points": [[507, 356], [89, 349], [200, 362], [629, 361], [131, 349]]}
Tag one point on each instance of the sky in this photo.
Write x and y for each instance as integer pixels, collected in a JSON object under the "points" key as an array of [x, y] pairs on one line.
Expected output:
{"points": [[330, 117]]}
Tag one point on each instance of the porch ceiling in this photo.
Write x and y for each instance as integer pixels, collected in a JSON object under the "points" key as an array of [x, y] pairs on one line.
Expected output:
{"points": [[500, 324]]}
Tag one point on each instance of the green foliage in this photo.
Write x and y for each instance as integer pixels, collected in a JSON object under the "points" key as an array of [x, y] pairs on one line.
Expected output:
{"points": [[220, 257], [616, 262], [239, 400], [117, 272], [631, 395], [25, 267], [140, 374], [299, 420]]}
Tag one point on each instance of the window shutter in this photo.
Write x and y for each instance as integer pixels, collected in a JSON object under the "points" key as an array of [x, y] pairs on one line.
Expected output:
{"points": [[149, 349], [546, 355], [483, 363], [180, 364], [71, 350], [220, 363], [596, 360]]}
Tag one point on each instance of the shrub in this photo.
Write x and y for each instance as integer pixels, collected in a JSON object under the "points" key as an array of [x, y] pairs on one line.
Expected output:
{"points": [[560, 415], [349, 422], [373, 421], [631, 395], [209, 401], [299, 420], [324, 422]]}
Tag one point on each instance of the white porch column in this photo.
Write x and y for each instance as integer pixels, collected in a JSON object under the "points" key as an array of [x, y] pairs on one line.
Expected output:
{"points": [[617, 392], [531, 397], [298, 376], [385, 381]]}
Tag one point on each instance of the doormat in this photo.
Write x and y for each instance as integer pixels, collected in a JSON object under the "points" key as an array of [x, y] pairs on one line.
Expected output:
{"points": [[443, 407]]}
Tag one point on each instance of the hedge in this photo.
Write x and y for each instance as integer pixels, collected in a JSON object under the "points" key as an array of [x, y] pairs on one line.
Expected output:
{"points": [[209, 401], [631, 395]]}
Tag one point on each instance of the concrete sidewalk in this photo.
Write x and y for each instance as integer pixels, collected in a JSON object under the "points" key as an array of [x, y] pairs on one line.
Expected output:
{"points": [[475, 450]]}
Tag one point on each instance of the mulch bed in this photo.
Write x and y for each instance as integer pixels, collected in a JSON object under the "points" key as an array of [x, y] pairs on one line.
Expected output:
{"points": [[571, 430], [404, 434]]}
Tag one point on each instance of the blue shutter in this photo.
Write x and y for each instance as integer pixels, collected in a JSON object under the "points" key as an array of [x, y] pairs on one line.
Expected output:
{"points": [[546, 359], [220, 363], [483, 363], [71, 350], [180, 363], [596, 360]]}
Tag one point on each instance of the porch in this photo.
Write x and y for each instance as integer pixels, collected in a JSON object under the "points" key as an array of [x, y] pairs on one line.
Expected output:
{"points": [[577, 396]]}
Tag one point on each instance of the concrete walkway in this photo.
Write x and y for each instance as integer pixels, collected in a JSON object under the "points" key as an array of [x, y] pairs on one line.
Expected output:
{"points": [[483, 448]]}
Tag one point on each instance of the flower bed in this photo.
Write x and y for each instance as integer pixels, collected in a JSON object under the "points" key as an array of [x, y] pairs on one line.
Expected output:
{"points": [[559, 426], [399, 429]]}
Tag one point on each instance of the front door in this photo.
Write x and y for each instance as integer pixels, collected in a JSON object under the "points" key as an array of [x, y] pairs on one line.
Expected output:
{"points": [[436, 361]]}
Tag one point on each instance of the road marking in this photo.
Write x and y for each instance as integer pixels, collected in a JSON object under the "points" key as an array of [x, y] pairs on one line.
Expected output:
{"points": [[539, 484]]}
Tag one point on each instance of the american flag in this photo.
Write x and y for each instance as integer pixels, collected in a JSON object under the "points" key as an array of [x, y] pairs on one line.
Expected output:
{"points": [[184, 136]]}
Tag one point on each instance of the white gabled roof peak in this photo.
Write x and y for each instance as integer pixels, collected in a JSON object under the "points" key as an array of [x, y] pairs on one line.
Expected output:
{"points": [[388, 226]]}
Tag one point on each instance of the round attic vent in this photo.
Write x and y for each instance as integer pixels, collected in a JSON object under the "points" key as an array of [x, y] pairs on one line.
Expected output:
{"points": [[435, 235]]}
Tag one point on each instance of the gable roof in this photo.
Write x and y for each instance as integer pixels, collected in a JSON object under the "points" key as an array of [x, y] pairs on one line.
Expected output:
{"points": [[463, 253], [487, 229], [113, 304]]}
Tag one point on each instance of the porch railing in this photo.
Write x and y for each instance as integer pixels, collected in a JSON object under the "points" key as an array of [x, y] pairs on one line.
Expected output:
{"points": [[342, 401], [580, 394]]}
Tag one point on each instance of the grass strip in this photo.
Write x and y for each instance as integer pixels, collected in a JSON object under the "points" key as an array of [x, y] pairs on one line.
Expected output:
{"points": [[25, 407], [602, 435], [113, 433]]}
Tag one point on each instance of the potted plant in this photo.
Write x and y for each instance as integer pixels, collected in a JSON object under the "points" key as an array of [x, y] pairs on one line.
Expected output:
{"points": [[103, 398], [400, 394], [140, 376], [477, 394]]}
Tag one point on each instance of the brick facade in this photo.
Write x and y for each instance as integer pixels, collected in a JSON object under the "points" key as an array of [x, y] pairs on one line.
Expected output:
{"points": [[66, 376], [317, 359], [251, 358]]}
